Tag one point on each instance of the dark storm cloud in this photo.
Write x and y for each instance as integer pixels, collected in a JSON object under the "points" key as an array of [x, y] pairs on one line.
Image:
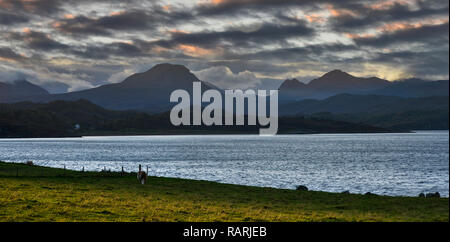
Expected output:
{"points": [[301, 53], [50, 7], [241, 65], [437, 34], [420, 63], [10, 55], [367, 17], [70, 40], [35, 6], [227, 7], [11, 18], [108, 50], [135, 19], [80, 25], [266, 34], [37, 40]]}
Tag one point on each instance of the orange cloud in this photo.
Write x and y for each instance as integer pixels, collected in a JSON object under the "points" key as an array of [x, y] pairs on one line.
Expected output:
{"points": [[314, 18], [56, 24], [158, 50], [29, 5], [126, 42], [195, 51], [387, 4], [212, 2], [5, 59], [117, 13], [5, 4], [393, 27], [359, 36], [218, 2], [167, 7], [177, 31], [26, 30], [397, 26], [69, 16], [340, 12]]}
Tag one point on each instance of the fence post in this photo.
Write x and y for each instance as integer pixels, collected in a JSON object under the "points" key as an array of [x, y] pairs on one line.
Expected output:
{"points": [[122, 171], [147, 170]]}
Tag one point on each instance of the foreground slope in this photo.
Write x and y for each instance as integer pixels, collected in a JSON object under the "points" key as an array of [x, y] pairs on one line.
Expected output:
{"points": [[47, 194]]}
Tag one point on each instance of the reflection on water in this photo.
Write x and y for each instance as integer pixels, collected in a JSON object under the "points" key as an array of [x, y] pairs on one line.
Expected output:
{"points": [[390, 164]]}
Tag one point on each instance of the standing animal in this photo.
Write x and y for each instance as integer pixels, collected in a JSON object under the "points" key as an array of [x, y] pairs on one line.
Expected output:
{"points": [[141, 176]]}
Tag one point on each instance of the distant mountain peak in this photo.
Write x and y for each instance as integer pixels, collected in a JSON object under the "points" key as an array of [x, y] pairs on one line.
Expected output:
{"points": [[19, 89], [165, 67], [24, 82], [337, 74], [336, 71], [331, 83], [291, 84], [161, 74]]}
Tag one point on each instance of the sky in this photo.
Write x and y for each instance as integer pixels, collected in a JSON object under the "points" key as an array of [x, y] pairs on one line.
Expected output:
{"points": [[70, 45]]}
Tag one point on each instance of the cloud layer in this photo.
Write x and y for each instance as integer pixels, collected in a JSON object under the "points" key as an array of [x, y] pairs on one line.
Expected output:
{"points": [[70, 45]]}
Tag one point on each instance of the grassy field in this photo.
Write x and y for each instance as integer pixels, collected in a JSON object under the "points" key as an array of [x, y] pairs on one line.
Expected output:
{"points": [[48, 194]]}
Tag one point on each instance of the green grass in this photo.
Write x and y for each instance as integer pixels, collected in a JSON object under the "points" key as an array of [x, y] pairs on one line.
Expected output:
{"points": [[48, 194]]}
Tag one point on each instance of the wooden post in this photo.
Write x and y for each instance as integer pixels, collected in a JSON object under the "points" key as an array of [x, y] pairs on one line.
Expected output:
{"points": [[147, 170], [122, 171]]}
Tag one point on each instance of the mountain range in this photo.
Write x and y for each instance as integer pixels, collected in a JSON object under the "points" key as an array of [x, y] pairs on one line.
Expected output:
{"points": [[337, 94], [339, 82], [20, 90], [375, 104], [81, 118], [148, 91]]}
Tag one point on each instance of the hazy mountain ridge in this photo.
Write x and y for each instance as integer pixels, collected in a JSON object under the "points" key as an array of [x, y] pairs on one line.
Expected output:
{"points": [[332, 83], [348, 103], [395, 113], [339, 82], [416, 89], [148, 91], [18, 90], [61, 119]]}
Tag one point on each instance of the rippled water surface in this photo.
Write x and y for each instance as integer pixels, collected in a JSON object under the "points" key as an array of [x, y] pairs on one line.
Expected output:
{"points": [[389, 164]]}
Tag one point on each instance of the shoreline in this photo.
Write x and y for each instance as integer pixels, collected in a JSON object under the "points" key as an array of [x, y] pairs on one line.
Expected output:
{"points": [[214, 134], [40, 194], [194, 180], [72, 196]]}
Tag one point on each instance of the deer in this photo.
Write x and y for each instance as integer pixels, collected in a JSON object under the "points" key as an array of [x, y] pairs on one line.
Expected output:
{"points": [[141, 176]]}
